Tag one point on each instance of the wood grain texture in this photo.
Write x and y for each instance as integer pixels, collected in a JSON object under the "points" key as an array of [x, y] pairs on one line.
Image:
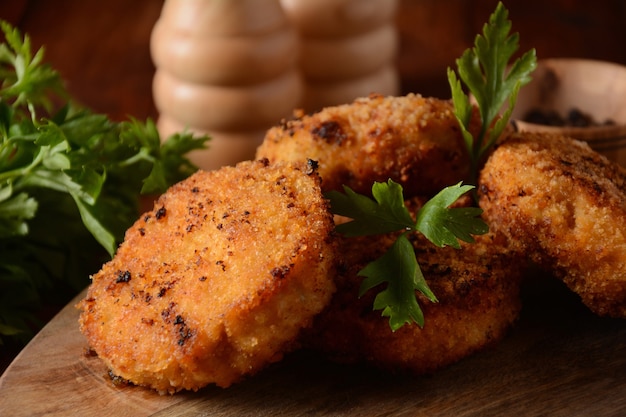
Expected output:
{"points": [[102, 48], [559, 360]]}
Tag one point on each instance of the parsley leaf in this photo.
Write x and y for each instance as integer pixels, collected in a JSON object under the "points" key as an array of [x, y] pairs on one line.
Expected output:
{"points": [[444, 226], [398, 267], [15, 211], [491, 81], [70, 184], [400, 270], [387, 213]]}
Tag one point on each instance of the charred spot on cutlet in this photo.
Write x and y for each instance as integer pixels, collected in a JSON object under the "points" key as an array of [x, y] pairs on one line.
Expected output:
{"points": [[165, 314], [123, 276], [330, 131], [118, 381], [280, 181], [311, 166], [160, 213], [184, 332], [280, 272], [89, 352], [167, 286]]}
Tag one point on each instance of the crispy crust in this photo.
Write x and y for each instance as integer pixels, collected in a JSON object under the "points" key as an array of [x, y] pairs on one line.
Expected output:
{"points": [[216, 281], [411, 139], [478, 300], [563, 205]]}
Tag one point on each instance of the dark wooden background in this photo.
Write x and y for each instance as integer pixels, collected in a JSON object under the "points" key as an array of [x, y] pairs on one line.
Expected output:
{"points": [[101, 47]]}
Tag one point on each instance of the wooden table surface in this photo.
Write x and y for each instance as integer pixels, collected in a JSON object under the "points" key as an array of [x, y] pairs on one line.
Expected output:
{"points": [[559, 361]]}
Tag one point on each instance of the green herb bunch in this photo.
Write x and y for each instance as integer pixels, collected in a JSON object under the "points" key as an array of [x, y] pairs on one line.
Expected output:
{"points": [[70, 185], [485, 72]]}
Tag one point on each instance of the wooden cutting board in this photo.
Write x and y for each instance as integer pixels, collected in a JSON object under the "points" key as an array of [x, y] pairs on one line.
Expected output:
{"points": [[559, 360]]}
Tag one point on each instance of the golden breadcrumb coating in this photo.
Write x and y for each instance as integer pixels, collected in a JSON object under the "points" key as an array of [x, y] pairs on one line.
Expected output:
{"points": [[563, 205], [477, 288], [413, 140], [216, 281]]}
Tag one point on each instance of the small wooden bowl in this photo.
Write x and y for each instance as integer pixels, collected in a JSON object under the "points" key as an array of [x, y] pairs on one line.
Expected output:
{"points": [[596, 88]]}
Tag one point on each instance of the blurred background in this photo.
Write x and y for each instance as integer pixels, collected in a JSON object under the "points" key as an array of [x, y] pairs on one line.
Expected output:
{"points": [[102, 48]]}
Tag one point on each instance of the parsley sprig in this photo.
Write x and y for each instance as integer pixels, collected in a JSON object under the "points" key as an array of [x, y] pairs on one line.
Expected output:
{"points": [[398, 267], [70, 184], [485, 71]]}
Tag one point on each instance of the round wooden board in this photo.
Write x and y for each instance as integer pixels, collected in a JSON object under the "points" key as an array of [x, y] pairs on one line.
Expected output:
{"points": [[559, 360]]}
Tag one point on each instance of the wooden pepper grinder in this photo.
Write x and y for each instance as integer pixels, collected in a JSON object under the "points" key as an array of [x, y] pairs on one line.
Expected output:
{"points": [[348, 49], [227, 68]]}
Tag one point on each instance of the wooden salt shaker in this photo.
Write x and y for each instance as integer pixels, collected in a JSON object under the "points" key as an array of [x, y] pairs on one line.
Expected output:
{"points": [[348, 49], [227, 68]]}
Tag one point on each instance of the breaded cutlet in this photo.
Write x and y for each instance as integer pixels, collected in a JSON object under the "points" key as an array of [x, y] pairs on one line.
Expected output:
{"points": [[563, 205], [413, 140], [216, 281], [478, 292]]}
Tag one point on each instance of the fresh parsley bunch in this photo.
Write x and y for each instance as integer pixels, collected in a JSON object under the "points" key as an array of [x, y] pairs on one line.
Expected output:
{"points": [[485, 71], [70, 184]]}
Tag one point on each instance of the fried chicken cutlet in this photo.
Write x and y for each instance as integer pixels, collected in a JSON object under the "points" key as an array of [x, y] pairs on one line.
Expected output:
{"points": [[216, 281], [477, 288], [411, 139], [564, 205]]}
